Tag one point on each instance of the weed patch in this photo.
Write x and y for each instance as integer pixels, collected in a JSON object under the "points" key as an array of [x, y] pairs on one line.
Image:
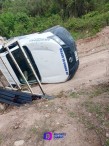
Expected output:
{"points": [[74, 95]]}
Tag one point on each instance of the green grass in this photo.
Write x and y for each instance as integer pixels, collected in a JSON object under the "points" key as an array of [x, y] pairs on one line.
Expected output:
{"points": [[99, 90], [88, 124], [94, 91], [34, 130], [98, 120], [39, 132], [107, 142], [74, 95], [72, 114], [1, 137], [93, 107], [107, 108]]}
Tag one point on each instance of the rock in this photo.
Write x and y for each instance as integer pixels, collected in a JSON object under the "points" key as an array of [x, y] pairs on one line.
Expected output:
{"points": [[59, 110], [16, 126], [1, 40], [107, 70], [87, 31], [2, 107], [57, 123], [93, 50], [19, 143], [36, 127], [90, 114], [47, 115], [107, 135]]}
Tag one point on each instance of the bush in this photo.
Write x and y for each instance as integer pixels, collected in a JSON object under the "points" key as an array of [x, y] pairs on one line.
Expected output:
{"points": [[7, 21], [42, 23], [91, 22], [21, 23]]}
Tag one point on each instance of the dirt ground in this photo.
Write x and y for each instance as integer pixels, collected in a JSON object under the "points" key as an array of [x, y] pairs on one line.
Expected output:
{"points": [[80, 108]]}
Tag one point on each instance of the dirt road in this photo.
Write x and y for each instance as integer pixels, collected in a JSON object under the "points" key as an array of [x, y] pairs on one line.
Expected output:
{"points": [[62, 114]]}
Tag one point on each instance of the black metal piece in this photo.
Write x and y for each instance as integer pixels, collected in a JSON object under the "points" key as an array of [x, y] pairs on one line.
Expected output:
{"points": [[2, 100], [18, 98], [12, 92], [14, 97], [47, 97]]}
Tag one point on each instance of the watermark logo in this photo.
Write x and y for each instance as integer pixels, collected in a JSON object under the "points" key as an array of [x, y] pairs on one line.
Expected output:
{"points": [[48, 136], [59, 135]]}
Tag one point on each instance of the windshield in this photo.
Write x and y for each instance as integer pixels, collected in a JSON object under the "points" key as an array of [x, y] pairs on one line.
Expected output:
{"points": [[64, 35], [22, 62]]}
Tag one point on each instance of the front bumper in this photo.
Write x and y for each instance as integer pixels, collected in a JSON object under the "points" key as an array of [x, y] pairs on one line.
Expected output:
{"points": [[73, 70]]}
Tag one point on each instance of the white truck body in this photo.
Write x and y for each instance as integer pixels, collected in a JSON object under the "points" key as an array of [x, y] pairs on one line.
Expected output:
{"points": [[47, 55]]}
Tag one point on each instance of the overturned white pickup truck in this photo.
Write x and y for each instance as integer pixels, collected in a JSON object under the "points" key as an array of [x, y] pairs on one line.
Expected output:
{"points": [[51, 54]]}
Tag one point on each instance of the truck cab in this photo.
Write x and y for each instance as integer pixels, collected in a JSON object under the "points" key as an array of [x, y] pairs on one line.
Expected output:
{"points": [[52, 53]]}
